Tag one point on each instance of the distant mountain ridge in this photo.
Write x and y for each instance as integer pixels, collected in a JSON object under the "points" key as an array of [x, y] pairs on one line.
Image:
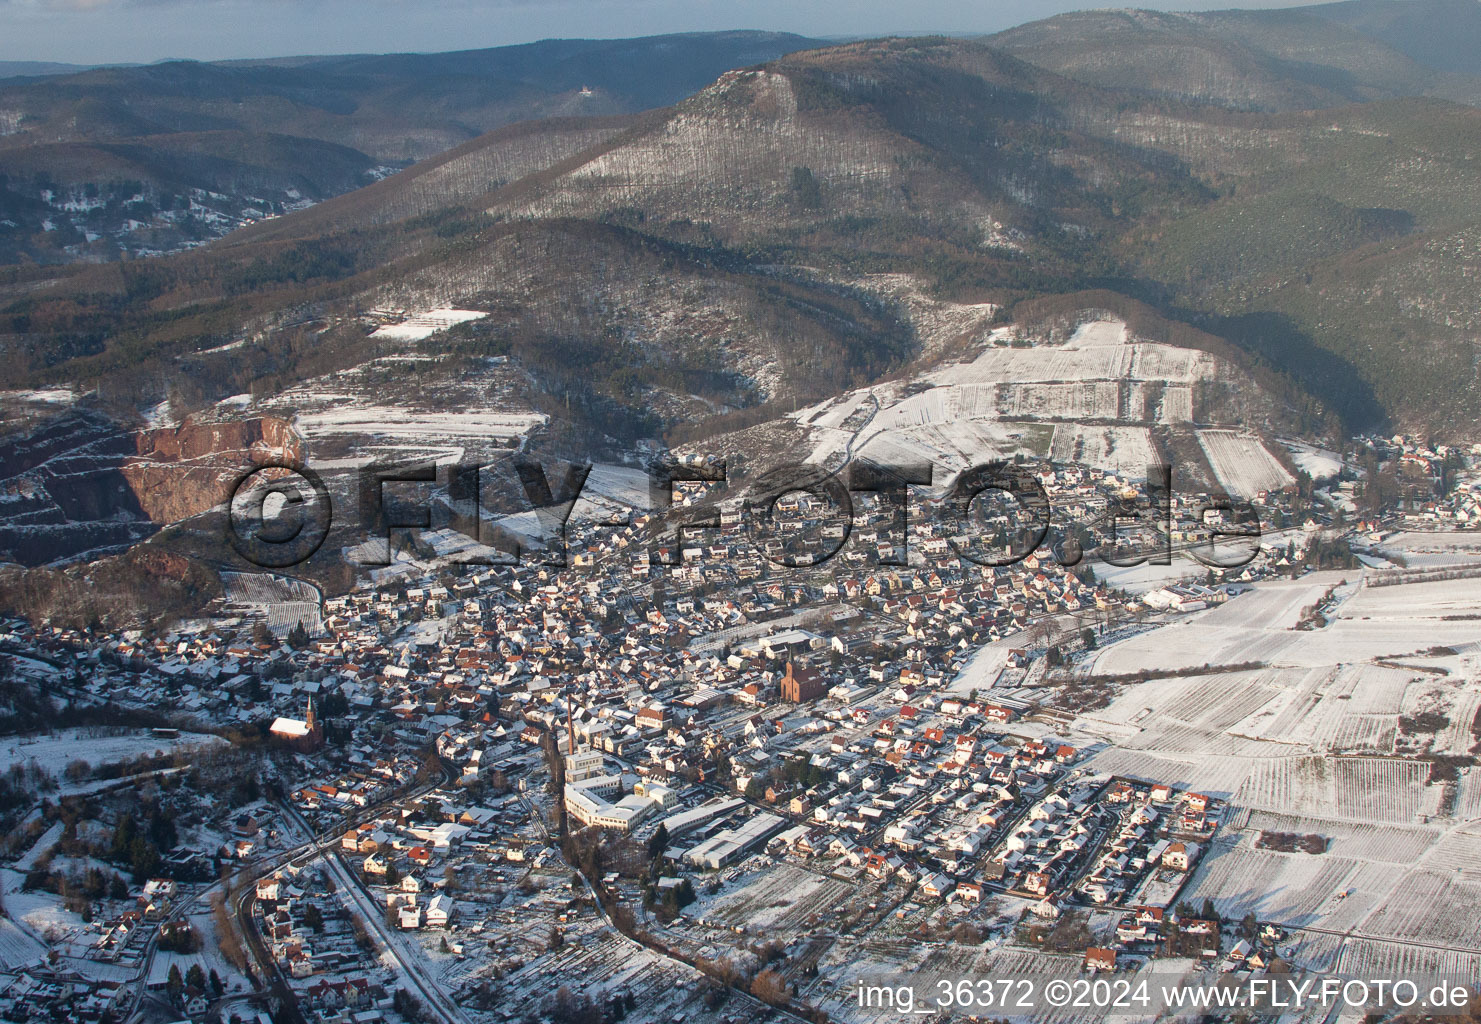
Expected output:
{"points": [[748, 248], [1441, 34], [151, 158], [1298, 58], [37, 68]]}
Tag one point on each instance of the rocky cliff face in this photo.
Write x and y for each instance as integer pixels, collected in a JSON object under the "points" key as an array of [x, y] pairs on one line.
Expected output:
{"points": [[82, 482], [179, 472]]}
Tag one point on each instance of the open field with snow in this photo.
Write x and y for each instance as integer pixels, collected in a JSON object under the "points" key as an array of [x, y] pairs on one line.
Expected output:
{"points": [[1318, 463], [1312, 740], [1127, 451], [279, 601], [780, 900], [1253, 627], [422, 326], [54, 752], [1433, 550], [1100, 390], [392, 421], [1242, 464]]}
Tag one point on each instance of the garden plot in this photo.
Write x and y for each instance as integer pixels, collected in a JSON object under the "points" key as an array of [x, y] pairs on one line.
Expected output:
{"points": [[779, 899], [608, 963], [952, 963], [1372, 958], [1433, 550], [1387, 844], [1434, 906], [280, 601], [1372, 790], [1242, 464], [1459, 851], [1294, 889], [1165, 362], [1177, 405], [1126, 451], [1095, 400]]}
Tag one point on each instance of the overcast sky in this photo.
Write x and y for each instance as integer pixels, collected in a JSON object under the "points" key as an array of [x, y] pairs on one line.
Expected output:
{"points": [[97, 31]]}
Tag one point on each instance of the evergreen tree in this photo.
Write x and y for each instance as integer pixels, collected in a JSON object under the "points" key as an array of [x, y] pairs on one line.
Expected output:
{"points": [[658, 842], [298, 637]]}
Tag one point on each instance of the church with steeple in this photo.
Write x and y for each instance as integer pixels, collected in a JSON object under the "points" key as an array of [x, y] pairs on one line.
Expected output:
{"points": [[305, 735]]}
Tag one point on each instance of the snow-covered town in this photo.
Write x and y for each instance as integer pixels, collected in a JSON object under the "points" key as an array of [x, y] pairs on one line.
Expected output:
{"points": [[731, 788], [750, 513]]}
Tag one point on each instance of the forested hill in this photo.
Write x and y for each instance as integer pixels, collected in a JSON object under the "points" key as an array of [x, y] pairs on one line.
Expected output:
{"points": [[142, 160], [729, 254]]}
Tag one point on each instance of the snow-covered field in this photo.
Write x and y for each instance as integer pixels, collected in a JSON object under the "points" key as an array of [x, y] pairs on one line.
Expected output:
{"points": [[422, 326], [280, 601], [393, 421], [54, 752], [1315, 462], [1253, 627], [781, 899], [1433, 550], [1242, 464], [1311, 741], [1127, 451], [47, 396], [1098, 392]]}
